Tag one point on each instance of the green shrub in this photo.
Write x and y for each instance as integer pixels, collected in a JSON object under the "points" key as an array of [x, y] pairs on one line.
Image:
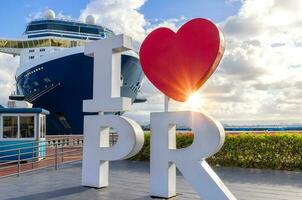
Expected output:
{"points": [[273, 151], [144, 154]]}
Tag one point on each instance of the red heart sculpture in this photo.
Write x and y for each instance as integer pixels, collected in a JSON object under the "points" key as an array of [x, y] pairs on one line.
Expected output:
{"points": [[179, 63]]}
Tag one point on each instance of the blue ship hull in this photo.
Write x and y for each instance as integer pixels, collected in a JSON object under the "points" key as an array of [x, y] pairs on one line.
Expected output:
{"points": [[61, 85]]}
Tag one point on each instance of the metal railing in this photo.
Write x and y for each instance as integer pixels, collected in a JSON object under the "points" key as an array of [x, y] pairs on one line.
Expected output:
{"points": [[65, 140], [34, 155], [19, 158]]}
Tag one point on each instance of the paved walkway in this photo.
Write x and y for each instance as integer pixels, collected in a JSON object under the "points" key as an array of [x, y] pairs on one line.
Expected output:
{"points": [[129, 181]]}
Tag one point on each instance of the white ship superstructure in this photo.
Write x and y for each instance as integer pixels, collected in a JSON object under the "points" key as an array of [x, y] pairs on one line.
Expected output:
{"points": [[55, 74]]}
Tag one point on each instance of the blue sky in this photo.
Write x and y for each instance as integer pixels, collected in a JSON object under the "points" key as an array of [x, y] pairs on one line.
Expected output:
{"points": [[17, 11]]}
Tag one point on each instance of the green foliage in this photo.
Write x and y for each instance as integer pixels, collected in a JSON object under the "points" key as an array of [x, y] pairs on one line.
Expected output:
{"points": [[144, 154], [273, 151]]}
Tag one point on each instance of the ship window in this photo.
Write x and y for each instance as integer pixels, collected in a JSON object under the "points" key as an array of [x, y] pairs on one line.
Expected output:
{"points": [[73, 43], [63, 27], [31, 50], [89, 30], [37, 27], [27, 126], [10, 126], [53, 27], [41, 50], [20, 45], [36, 43], [14, 44], [30, 44], [25, 45], [31, 57]]}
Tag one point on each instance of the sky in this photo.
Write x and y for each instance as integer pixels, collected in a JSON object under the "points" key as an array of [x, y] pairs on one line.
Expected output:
{"points": [[258, 79]]}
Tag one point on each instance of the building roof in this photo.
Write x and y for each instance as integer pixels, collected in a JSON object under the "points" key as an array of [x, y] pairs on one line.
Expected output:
{"points": [[23, 110]]}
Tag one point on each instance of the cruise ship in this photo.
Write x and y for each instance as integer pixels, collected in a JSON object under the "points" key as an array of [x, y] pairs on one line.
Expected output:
{"points": [[54, 73]]}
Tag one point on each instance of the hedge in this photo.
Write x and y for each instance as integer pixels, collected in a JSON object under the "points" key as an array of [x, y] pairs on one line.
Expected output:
{"points": [[265, 151]]}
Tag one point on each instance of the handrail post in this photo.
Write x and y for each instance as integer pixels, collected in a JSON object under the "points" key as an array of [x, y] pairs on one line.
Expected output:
{"points": [[111, 139], [19, 158], [56, 157], [33, 156], [62, 153]]}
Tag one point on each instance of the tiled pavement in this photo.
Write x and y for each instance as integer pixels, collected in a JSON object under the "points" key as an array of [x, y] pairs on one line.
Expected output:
{"points": [[130, 181]]}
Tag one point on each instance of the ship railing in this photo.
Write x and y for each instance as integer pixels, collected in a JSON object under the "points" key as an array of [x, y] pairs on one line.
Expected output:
{"points": [[78, 139], [34, 96]]}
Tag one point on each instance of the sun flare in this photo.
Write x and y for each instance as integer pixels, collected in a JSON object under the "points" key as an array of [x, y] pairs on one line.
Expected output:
{"points": [[194, 102]]}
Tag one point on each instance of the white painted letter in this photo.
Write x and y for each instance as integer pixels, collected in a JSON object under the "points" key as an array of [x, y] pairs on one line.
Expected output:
{"points": [[97, 152], [107, 74], [106, 98], [208, 139]]}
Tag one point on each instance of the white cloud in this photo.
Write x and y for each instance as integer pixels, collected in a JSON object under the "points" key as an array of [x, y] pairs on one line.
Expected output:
{"points": [[258, 78], [261, 62], [8, 66], [122, 16], [172, 23], [40, 14], [34, 15]]}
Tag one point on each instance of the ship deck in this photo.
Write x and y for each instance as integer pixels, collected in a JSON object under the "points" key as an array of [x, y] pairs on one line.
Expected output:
{"points": [[129, 181]]}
